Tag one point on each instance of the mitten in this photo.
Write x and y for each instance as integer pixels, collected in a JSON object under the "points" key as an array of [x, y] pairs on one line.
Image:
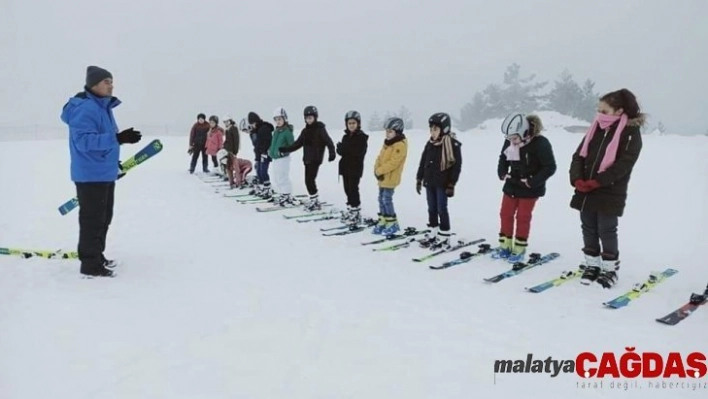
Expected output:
{"points": [[190, 151], [450, 191], [339, 148], [332, 156], [129, 136], [592, 185], [418, 186], [379, 177]]}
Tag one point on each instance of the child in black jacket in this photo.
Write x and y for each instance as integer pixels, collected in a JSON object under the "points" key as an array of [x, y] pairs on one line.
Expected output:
{"points": [[439, 170], [352, 151], [313, 139]]}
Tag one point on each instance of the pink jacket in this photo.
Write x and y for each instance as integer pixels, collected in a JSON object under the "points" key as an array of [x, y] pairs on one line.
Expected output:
{"points": [[215, 140]]}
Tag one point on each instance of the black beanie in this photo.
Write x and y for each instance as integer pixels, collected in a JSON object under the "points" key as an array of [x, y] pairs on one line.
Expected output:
{"points": [[95, 75], [253, 118]]}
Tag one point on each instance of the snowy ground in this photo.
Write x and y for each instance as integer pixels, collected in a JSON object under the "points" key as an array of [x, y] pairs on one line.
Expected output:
{"points": [[215, 300]]}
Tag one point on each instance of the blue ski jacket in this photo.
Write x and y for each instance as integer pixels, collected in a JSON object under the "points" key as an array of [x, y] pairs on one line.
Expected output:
{"points": [[93, 145]]}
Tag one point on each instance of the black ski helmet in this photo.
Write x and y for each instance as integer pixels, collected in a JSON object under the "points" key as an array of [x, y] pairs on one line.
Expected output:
{"points": [[311, 110], [352, 115], [396, 124], [441, 120]]}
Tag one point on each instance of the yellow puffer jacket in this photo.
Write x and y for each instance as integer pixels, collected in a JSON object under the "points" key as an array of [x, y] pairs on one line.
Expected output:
{"points": [[391, 161]]}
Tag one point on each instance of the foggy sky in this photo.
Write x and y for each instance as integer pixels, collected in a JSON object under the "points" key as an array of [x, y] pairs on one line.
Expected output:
{"points": [[173, 59]]}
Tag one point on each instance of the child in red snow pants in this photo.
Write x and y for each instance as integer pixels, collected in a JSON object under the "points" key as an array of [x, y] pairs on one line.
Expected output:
{"points": [[519, 212]]}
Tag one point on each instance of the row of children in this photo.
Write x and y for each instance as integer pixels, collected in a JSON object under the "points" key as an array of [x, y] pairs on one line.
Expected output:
{"points": [[600, 172]]}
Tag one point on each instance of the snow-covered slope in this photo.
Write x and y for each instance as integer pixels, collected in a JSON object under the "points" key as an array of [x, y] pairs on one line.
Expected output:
{"points": [[215, 300]]}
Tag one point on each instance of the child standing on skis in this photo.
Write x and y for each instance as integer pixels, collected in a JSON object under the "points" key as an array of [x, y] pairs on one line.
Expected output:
{"points": [[525, 164], [388, 170], [263, 133], [439, 170], [352, 151], [215, 140], [600, 171], [282, 137], [231, 146], [313, 139]]}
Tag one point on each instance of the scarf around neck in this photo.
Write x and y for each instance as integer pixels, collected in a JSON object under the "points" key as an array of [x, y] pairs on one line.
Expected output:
{"points": [[448, 155], [605, 122]]}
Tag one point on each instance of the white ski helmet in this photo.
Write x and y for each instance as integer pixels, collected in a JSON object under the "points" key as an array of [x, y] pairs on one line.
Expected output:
{"points": [[223, 156], [515, 124], [227, 118], [280, 113], [243, 126]]}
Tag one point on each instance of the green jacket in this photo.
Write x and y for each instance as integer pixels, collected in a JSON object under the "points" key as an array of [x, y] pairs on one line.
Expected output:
{"points": [[282, 137]]}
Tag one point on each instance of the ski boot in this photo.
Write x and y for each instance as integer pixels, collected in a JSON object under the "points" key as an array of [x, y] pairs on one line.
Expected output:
{"points": [[518, 251], [504, 249], [591, 269], [608, 273], [429, 239], [391, 226], [380, 226], [442, 241], [314, 204], [354, 216]]}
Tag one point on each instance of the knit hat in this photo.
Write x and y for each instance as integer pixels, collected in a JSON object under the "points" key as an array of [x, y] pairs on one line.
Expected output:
{"points": [[95, 75], [253, 118]]}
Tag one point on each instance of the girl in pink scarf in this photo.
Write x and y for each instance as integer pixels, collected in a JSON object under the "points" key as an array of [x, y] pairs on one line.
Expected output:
{"points": [[600, 171]]}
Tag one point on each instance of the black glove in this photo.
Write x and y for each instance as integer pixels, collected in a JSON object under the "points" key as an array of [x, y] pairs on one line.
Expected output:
{"points": [[339, 148], [332, 157], [450, 191], [282, 150], [379, 177], [120, 165], [418, 186], [129, 136]]}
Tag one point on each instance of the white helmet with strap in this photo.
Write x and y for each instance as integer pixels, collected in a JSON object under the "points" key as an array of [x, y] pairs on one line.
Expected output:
{"points": [[515, 124]]}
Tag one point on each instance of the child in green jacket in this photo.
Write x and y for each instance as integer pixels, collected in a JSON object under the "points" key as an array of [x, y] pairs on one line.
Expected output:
{"points": [[282, 137]]}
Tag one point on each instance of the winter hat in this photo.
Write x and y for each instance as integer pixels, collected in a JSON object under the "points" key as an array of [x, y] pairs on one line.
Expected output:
{"points": [[253, 118], [95, 75]]}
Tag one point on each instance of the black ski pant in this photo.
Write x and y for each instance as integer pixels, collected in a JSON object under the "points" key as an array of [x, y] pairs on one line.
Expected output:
{"points": [[195, 156], [351, 189], [95, 215], [311, 170], [600, 234]]}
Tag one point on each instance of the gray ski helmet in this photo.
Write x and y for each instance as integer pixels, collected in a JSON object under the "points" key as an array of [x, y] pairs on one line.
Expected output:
{"points": [[515, 124], [311, 110], [396, 124], [352, 115], [441, 120]]}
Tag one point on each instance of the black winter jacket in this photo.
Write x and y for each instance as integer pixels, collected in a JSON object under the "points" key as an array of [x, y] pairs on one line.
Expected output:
{"points": [[537, 164], [313, 139], [352, 151], [232, 140], [263, 136], [429, 168], [610, 198]]}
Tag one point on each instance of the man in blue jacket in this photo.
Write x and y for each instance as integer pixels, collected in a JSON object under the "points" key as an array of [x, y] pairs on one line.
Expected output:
{"points": [[94, 146]]}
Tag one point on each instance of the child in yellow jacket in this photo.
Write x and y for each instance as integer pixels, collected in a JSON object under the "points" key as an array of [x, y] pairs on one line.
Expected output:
{"points": [[388, 170]]}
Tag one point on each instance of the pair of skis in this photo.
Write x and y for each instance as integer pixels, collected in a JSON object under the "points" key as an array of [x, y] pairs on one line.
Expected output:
{"points": [[34, 253], [695, 302], [152, 149]]}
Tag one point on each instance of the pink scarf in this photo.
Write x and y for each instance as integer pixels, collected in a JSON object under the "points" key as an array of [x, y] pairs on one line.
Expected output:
{"points": [[513, 152], [604, 122]]}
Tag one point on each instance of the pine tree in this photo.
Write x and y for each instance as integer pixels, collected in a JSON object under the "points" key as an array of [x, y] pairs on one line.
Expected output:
{"points": [[566, 96], [588, 107], [375, 122], [405, 114]]}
